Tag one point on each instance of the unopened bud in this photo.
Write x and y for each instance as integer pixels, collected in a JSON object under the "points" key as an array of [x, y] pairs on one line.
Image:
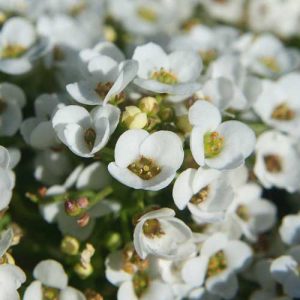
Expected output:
{"points": [[149, 105], [134, 118], [83, 202], [72, 208], [166, 113], [113, 241], [87, 254], [92, 295], [70, 245], [183, 124], [83, 271]]}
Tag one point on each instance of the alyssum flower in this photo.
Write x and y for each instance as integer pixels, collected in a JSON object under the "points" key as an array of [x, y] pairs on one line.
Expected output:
{"points": [[218, 145], [207, 193], [147, 161], [83, 132], [159, 233]]}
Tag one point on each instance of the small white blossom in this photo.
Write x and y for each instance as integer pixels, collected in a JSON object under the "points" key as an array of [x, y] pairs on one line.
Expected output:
{"points": [[147, 161], [159, 233], [83, 132], [218, 145]]}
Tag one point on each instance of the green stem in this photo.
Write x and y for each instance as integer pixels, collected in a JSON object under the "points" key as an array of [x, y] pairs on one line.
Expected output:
{"points": [[101, 195]]}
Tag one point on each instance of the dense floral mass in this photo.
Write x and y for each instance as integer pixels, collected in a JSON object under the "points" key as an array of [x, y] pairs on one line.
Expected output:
{"points": [[149, 149]]}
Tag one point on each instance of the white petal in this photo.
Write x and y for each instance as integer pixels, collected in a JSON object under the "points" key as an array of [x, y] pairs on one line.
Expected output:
{"points": [[127, 149], [51, 274], [4, 157], [126, 292], [183, 188], [197, 145], [34, 291], [70, 293], [194, 270], [15, 66]]}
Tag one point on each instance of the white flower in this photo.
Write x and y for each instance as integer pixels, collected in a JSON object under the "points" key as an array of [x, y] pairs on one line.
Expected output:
{"points": [[83, 132], [285, 270], [7, 178], [290, 229], [159, 233], [218, 145], [38, 131], [207, 193], [277, 161], [246, 88], [51, 279], [228, 11], [278, 104], [174, 74], [251, 213], [19, 46], [265, 55], [106, 79], [155, 289], [216, 267], [12, 100], [147, 161]]}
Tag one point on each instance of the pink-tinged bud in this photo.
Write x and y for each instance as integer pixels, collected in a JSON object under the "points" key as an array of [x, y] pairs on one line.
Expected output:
{"points": [[42, 191], [83, 202], [84, 220], [72, 208]]}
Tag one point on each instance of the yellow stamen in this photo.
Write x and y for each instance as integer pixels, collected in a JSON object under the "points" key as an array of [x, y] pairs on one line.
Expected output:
{"points": [[273, 163], [213, 144], [145, 168], [164, 76], [283, 112], [217, 264]]}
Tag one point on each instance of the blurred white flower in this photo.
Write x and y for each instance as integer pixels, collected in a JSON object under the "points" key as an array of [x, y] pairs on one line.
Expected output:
{"points": [[85, 133], [207, 193], [218, 145], [290, 229], [20, 46], [278, 104], [159, 233], [147, 161], [51, 281], [38, 131], [277, 161], [12, 100], [175, 74], [216, 267], [285, 270]]}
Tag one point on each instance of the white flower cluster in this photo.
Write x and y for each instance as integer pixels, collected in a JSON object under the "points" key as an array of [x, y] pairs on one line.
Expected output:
{"points": [[166, 151]]}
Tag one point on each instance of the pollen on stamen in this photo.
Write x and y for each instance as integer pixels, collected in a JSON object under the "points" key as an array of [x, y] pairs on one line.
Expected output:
{"points": [[145, 168]]}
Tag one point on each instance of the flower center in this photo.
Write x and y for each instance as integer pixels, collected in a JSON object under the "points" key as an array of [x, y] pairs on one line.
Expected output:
{"points": [[131, 261], [140, 282], [103, 88], [147, 14], [58, 54], [213, 144], [201, 196], [164, 76], [50, 293], [77, 9], [273, 163], [208, 55], [217, 264], [12, 51], [152, 228], [145, 168], [243, 212], [90, 137], [3, 106], [271, 63], [283, 112]]}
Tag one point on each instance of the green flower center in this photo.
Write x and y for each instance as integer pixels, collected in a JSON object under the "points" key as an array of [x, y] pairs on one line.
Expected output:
{"points": [[243, 212], [164, 76], [217, 264], [50, 293], [273, 163], [13, 51], [145, 168], [283, 112], [201, 196], [152, 228], [271, 63], [90, 137], [140, 282], [213, 144], [147, 14]]}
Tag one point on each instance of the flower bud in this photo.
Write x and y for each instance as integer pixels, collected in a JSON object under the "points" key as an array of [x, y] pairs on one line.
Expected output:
{"points": [[134, 118], [84, 220], [166, 113], [183, 124], [149, 105], [72, 208], [70, 245], [83, 271], [83, 202], [113, 241]]}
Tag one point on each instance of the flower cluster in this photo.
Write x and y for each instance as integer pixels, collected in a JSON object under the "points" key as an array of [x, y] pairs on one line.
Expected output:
{"points": [[148, 152]]}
